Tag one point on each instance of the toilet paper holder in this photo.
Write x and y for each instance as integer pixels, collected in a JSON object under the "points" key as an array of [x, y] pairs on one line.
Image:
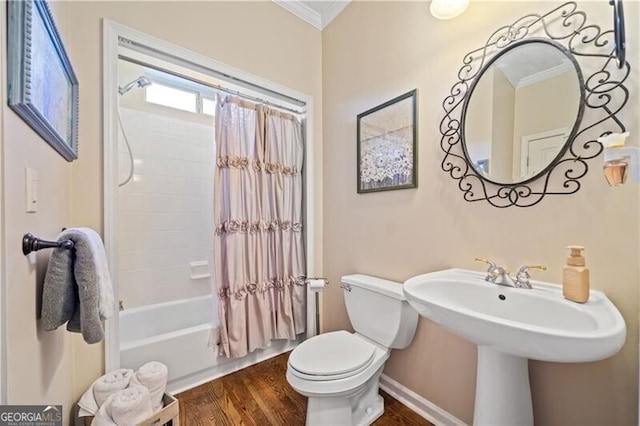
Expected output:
{"points": [[326, 281]]}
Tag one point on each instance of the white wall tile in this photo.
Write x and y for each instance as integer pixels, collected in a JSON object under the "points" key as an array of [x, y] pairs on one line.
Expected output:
{"points": [[166, 215]]}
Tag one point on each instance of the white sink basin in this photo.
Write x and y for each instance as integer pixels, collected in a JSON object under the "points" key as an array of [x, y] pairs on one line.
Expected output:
{"points": [[511, 325], [538, 323]]}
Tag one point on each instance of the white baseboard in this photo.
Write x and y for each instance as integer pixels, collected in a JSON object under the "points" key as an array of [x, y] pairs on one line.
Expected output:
{"points": [[423, 407]]}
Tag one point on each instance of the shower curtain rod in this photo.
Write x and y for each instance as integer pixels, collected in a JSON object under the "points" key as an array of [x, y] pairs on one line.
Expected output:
{"points": [[208, 71]]}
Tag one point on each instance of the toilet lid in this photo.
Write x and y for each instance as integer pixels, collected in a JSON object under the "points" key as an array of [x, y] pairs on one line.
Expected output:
{"points": [[331, 354]]}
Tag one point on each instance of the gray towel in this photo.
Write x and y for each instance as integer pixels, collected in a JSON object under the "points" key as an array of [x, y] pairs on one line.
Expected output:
{"points": [[77, 287]]}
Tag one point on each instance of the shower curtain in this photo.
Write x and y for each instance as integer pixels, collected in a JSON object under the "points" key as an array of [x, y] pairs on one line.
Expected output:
{"points": [[258, 249]]}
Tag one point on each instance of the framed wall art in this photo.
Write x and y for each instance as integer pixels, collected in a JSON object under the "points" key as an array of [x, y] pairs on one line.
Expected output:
{"points": [[42, 87], [387, 145]]}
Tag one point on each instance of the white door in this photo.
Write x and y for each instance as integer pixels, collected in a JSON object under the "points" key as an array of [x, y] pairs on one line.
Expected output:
{"points": [[538, 150]]}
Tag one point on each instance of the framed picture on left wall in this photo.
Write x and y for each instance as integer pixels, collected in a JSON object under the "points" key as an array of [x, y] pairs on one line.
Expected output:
{"points": [[42, 87]]}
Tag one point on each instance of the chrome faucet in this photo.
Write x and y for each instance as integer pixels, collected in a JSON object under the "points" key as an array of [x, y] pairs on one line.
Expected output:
{"points": [[499, 275], [502, 277], [522, 277], [491, 266], [496, 274]]}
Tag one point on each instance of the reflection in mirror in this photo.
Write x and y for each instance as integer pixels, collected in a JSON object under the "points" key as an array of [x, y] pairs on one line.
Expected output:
{"points": [[521, 111]]}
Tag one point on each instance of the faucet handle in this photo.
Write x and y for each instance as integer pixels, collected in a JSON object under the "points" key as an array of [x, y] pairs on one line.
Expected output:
{"points": [[522, 278], [525, 269], [491, 269], [491, 264]]}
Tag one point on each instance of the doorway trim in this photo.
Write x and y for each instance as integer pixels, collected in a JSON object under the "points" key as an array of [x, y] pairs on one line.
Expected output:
{"points": [[112, 32]]}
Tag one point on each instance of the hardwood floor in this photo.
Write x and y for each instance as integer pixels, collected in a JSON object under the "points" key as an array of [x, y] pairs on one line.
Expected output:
{"points": [[260, 395]]}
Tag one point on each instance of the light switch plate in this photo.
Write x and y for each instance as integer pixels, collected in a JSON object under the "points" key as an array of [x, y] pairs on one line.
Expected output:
{"points": [[32, 190]]}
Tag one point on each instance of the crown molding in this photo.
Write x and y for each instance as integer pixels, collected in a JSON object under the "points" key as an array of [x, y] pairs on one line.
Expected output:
{"points": [[302, 11], [307, 14], [543, 75], [331, 13]]}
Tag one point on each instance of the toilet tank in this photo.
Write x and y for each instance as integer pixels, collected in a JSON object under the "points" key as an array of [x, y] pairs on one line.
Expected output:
{"points": [[379, 311]]}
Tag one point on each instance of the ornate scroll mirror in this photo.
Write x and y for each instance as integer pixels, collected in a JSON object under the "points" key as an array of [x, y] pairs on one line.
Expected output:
{"points": [[523, 119]]}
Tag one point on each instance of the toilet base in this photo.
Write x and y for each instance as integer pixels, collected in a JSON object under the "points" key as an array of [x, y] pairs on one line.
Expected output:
{"points": [[338, 412], [358, 408]]}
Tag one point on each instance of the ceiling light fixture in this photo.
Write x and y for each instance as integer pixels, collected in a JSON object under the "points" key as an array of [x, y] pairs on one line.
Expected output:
{"points": [[447, 9]]}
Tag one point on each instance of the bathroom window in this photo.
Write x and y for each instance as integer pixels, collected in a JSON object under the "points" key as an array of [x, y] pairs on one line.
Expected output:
{"points": [[208, 106], [186, 99], [171, 97]]}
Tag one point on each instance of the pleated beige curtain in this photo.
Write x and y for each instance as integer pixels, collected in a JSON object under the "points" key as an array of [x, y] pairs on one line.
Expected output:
{"points": [[258, 249]]}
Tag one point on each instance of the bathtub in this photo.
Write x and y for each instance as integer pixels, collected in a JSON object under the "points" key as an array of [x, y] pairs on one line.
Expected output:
{"points": [[178, 334]]}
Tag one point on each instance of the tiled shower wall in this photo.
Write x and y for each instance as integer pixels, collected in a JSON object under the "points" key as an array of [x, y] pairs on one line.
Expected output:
{"points": [[165, 213]]}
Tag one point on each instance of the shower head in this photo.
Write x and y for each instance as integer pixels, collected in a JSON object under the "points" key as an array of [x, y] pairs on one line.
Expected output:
{"points": [[139, 82]]}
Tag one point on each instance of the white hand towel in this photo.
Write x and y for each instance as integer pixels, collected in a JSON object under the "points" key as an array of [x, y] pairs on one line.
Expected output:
{"points": [[153, 376], [111, 383], [126, 407]]}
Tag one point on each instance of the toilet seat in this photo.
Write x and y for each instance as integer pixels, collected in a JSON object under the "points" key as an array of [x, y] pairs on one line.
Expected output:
{"points": [[331, 356]]}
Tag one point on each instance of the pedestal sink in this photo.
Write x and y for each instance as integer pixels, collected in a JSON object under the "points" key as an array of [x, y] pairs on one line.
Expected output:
{"points": [[512, 325]]}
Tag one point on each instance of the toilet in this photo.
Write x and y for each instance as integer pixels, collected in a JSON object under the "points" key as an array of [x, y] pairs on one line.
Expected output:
{"points": [[340, 371]]}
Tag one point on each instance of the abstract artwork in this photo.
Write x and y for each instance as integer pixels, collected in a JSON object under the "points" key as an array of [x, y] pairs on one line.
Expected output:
{"points": [[387, 145]]}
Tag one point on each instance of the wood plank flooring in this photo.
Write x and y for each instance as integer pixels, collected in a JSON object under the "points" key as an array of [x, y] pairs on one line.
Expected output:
{"points": [[260, 395]]}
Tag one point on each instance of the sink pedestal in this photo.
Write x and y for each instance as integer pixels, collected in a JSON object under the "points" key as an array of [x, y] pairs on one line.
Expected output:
{"points": [[503, 395]]}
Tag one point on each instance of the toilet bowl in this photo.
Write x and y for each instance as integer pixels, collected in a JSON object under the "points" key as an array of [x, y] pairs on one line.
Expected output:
{"points": [[340, 371]]}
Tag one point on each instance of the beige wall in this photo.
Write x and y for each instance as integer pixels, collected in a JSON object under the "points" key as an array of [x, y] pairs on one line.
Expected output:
{"points": [[479, 120], [374, 51], [258, 37], [3, 289], [39, 364], [502, 128]]}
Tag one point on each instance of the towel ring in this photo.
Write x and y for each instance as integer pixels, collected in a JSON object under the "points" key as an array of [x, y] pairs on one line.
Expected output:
{"points": [[31, 243]]}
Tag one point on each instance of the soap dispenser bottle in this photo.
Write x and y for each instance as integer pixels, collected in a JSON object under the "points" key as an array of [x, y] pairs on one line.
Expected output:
{"points": [[575, 276]]}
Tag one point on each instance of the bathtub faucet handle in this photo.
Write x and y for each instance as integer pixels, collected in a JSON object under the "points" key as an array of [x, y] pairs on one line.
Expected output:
{"points": [[120, 305]]}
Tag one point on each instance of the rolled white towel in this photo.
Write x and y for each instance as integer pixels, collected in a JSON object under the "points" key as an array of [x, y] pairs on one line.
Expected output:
{"points": [[126, 407], [130, 406], [111, 383], [102, 388], [103, 418], [153, 376]]}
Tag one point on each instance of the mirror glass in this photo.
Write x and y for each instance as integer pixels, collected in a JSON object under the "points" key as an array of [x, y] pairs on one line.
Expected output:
{"points": [[521, 111]]}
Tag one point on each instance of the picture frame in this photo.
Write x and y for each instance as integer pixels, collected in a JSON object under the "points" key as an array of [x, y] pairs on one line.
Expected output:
{"points": [[387, 145], [42, 87]]}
